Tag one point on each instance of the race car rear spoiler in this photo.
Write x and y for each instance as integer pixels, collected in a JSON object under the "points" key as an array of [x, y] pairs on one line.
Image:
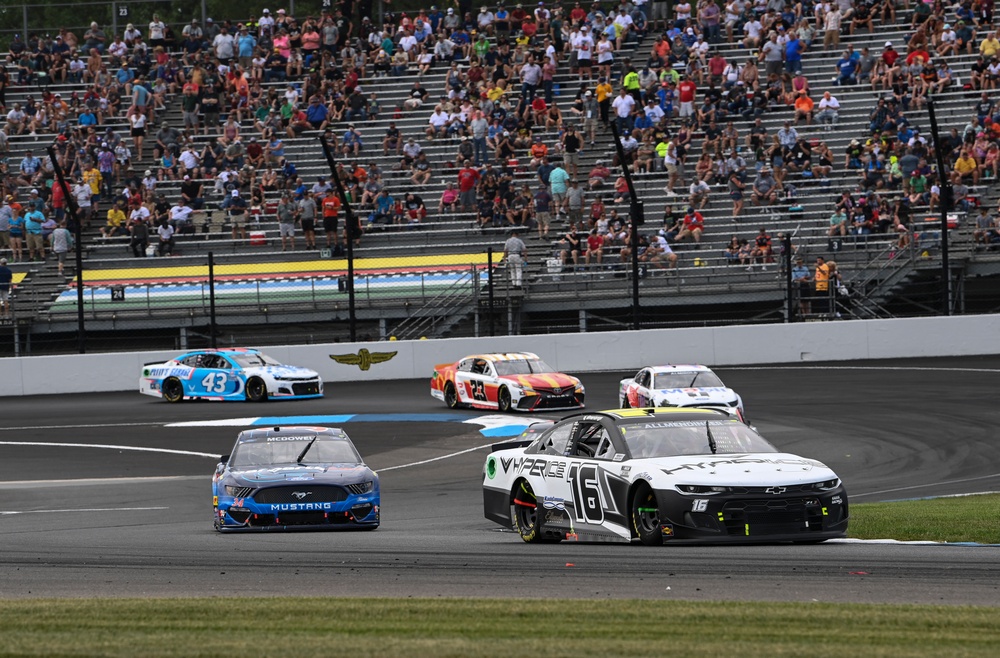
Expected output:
{"points": [[507, 445]]}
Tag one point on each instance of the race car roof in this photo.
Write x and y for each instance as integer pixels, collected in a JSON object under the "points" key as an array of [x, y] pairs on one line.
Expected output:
{"points": [[674, 413], [255, 435], [504, 356], [679, 368]]}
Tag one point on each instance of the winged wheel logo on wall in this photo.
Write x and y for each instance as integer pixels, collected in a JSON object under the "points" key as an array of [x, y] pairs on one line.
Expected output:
{"points": [[363, 359]]}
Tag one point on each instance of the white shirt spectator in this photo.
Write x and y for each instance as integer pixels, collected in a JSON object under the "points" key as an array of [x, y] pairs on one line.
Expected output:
{"points": [[654, 112], [584, 46], [485, 19], [189, 158], [624, 22], [156, 30], [753, 28], [438, 119], [141, 214], [412, 150], [118, 49], [180, 214], [408, 43], [623, 105], [829, 103], [82, 192], [266, 23], [223, 44]]}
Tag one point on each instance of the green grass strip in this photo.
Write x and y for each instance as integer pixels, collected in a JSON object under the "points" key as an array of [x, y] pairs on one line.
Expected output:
{"points": [[958, 519], [488, 627]]}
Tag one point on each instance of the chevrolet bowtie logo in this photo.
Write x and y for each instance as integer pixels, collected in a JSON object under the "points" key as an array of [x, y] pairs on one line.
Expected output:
{"points": [[363, 359], [301, 494], [775, 490]]}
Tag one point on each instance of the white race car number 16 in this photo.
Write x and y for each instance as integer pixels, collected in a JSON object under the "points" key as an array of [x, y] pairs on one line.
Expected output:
{"points": [[587, 496], [215, 382]]}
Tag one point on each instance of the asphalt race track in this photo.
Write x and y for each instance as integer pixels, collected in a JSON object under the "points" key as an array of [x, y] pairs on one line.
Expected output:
{"points": [[106, 521]]}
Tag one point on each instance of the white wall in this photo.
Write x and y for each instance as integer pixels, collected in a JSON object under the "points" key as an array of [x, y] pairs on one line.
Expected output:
{"points": [[626, 350]]}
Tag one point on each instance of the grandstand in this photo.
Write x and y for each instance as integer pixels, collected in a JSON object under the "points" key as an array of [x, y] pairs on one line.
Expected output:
{"points": [[431, 278]]}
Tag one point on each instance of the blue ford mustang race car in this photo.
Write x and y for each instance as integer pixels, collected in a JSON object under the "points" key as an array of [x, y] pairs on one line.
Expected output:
{"points": [[294, 477], [228, 374]]}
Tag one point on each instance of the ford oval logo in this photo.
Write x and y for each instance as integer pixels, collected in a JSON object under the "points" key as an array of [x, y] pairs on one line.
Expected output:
{"points": [[301, 494]]}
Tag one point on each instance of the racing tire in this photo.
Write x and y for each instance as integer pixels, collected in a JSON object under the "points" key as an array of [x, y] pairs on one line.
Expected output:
{"points": [[451, 396], [256, 390], [172, 390], [646, 516], [503, 400], [524, 513]]}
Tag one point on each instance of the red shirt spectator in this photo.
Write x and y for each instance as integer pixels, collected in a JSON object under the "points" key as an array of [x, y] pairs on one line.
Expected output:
{"points": [[529, 28], [686, 91], [889, 56], [919, 52], [467, 179], [693, 220], [331, 205]]}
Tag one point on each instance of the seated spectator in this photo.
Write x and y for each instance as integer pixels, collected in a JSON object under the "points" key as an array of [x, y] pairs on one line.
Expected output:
{"points": [[765, 188], [422, 172], [828, 109], [693, 227], [449, 198], [700, 191], [598, 175], [804, 108]]}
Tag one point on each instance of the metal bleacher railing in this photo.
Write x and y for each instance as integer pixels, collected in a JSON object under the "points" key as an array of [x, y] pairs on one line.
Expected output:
{"points": [[432, 279]]}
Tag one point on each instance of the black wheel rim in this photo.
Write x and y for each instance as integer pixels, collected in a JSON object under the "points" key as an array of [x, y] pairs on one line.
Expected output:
{"points": [[526, 508], [172, 390], [255, 389], [647, 514]]}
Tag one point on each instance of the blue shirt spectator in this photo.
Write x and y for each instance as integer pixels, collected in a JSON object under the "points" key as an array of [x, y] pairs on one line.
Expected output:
{"points": [[246, 45], [125, 75]]}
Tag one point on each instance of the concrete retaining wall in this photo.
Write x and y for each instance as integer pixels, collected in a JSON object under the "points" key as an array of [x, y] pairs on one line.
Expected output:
{"points": [[716, 346]]}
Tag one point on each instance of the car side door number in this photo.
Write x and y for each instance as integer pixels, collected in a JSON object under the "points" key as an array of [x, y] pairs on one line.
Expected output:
{"points": [[478, 389], [587, 497], [214, 382]]}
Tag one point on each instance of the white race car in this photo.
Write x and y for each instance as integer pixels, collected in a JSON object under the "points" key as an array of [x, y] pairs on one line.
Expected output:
{"points": [[677, 386], [659, 475]]}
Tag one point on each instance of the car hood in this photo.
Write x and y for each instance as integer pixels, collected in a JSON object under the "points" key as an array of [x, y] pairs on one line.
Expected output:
{"points": [[283, 371], [326, 473], [547, 380], [684, 397], [744, 469]]}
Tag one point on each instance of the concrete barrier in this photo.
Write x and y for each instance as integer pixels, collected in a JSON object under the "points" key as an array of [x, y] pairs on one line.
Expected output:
{"points": [[625, 350]]}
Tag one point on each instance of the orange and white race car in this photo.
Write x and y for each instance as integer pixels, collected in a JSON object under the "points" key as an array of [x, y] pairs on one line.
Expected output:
{"points": [[515, 380]]}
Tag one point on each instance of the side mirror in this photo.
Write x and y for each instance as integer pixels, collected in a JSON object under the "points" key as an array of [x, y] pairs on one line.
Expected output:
{"points": [[224, 459]]}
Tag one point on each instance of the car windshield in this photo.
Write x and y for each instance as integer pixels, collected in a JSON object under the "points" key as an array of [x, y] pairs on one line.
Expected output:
{"points": [[690, 437], [281, 450], [521, 367], [253, 360], [692, 379]]}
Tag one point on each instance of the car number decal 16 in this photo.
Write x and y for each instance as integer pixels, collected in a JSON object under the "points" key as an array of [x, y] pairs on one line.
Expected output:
{"points": [[588, 498]]}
